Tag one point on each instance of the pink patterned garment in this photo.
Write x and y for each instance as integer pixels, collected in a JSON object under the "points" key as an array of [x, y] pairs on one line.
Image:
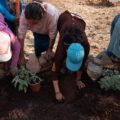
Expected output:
{"points": [[15, 45]]}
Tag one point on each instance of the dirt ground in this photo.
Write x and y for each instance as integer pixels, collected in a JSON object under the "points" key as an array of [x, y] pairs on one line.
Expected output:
{"points": [[90, 103]]}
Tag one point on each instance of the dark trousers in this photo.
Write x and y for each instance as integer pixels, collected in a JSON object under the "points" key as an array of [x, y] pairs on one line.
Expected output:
{"points": [[41, 43]]}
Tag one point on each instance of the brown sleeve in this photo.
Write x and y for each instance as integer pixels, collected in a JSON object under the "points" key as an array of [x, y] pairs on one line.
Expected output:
{"points": [[63, 19], [86, 46], [58, 60]]}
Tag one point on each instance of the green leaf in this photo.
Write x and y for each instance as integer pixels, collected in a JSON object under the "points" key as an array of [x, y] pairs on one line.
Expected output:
{"points": [[110, 82], [22, 79]]}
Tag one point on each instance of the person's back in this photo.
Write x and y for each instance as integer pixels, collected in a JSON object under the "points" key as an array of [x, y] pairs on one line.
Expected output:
{"points": [[44, 25]]}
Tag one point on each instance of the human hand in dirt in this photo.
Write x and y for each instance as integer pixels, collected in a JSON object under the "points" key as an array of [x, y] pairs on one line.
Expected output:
{"points": [[59, 97], [80, 84]]}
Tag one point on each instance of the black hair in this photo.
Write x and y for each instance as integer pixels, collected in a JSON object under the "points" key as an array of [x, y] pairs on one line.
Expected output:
{"points": [[73, 35], [34, 11]]}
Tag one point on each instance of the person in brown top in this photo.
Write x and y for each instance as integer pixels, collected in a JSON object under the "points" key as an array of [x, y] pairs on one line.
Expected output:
{"points": [[72, 44]]}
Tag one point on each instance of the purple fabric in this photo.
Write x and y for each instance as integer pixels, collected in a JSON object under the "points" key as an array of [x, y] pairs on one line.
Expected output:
{"points": [[15, 45]]}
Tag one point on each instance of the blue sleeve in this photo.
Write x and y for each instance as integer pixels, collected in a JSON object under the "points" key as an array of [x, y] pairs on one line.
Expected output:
{"points": [[114, 22], [6, 13], [4, 3]]}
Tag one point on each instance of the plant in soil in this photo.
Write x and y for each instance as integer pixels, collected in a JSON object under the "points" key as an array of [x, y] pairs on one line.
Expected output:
{"points": [[110, 82], [22, 79], [34, 79]]}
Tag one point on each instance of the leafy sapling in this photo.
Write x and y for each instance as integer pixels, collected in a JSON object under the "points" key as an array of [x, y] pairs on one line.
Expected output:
{"points": [[23, 78], [110, 82]]}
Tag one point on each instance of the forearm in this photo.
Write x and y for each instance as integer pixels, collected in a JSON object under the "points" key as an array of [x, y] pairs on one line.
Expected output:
{"points": [[56, 86], [22, 30], [51, 43], [55, 79], [78, 76]]}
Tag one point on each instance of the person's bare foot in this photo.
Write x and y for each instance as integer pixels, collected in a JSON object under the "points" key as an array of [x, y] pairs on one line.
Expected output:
{"points": [[80, 84]]}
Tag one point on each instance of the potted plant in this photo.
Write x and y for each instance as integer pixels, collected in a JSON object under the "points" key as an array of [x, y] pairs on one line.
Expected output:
{"points": [[24, 78], [34, 82]]}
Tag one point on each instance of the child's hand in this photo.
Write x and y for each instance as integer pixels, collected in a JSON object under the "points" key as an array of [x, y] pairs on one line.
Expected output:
{"points": [[59, 97], [80, 84]]}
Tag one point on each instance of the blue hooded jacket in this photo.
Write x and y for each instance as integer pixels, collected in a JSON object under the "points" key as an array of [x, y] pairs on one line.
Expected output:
{"points": [[6, 13]]}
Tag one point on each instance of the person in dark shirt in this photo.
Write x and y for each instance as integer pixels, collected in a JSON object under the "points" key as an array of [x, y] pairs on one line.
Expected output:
{"points": [[73, 46]]}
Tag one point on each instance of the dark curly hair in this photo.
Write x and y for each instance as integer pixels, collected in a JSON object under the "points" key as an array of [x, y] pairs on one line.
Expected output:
{"points": [[34, 11], [73, 35]]}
